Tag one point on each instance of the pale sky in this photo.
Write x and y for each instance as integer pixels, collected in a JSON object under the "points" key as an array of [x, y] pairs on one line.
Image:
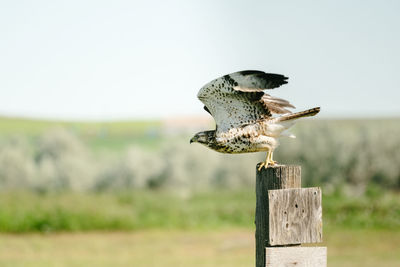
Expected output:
{"points": [[147, 59]]}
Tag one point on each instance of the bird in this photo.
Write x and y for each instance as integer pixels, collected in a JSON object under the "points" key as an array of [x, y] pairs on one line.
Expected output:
{"points": [[247, 119]]}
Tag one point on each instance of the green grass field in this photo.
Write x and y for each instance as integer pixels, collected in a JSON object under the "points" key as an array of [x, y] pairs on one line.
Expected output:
{"points": [[140, 210], [174, 248], [156, 228]]}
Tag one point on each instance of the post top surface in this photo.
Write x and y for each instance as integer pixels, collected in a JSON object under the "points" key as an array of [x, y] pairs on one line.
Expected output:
{"points": [[277, 166]]}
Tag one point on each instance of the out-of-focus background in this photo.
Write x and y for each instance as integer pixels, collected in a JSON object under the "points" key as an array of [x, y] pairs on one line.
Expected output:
{"points": [[98, 103]]}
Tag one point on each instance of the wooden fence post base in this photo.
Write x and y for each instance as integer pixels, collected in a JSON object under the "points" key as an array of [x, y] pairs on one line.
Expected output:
{"points": [[273, 177], [286, 216]]}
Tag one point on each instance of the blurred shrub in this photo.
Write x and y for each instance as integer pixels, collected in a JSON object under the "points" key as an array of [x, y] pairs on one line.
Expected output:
{"points": [[349, 155], [17, 169], [134, 169], [63, 162]]}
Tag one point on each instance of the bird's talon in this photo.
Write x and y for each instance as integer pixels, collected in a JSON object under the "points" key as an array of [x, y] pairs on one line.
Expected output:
{"points": [[262, 164]]}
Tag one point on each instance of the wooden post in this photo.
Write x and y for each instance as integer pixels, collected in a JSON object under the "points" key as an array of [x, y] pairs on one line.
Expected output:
{"points": [[273, 177], [286, 216]]}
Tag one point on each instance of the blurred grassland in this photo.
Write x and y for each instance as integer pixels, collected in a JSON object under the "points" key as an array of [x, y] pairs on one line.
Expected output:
{"points": [[34, 127], [113, 135], [133, 194], [30, 212]]}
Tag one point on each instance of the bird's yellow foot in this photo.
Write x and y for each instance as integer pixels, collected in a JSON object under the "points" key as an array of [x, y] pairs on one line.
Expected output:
{"points": [[268, 161], [262, 164], [266, 164]]}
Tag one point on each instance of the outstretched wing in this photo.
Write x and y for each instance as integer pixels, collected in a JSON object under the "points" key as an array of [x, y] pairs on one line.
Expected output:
{"points": [[238, 99]]}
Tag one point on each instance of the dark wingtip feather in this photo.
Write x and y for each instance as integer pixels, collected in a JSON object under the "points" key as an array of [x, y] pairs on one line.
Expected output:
{"points": [[272, 80], [250, 72]]}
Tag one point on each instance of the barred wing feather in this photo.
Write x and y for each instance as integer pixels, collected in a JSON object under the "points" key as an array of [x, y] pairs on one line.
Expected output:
{"points": [[238, 99]]}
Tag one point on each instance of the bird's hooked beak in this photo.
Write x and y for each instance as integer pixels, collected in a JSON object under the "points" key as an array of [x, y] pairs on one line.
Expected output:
{"points": [[194, 139], [199, 138]]}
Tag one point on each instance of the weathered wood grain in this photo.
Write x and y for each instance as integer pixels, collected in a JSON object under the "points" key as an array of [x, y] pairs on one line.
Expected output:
{"points": [[295, 216], [296, 256], [273, 177]]}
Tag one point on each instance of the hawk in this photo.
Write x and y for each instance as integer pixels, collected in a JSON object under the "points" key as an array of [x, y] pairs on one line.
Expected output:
{"points": [[247, 119]]}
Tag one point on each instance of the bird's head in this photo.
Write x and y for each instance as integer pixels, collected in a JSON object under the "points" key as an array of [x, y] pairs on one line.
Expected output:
{"points": [[203, 137]]}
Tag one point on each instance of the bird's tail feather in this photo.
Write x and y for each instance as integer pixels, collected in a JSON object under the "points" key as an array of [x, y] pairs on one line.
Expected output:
{"points": [[297, 115]]}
